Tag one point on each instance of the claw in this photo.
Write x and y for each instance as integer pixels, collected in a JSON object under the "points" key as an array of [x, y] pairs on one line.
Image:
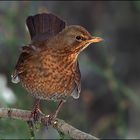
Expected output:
{"points": [[35, 114], [49, 119]]}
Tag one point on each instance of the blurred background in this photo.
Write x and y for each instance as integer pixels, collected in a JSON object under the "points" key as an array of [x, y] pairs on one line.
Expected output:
{"points": [[109, 105]]}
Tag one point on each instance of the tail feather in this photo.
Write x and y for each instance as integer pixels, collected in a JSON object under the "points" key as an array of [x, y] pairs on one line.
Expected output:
{"points": [[44, 23]]}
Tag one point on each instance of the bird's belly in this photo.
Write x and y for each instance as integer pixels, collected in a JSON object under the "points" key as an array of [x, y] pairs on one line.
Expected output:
{"points": [[48, 85]]}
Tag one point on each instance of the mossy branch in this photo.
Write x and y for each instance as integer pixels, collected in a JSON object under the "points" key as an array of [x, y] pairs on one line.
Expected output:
{"points": [[58, 124]]}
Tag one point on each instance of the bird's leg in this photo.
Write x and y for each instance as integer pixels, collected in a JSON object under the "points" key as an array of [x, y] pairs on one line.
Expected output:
{"points": [[34, 116], [54, 115], [36, 110], [58, 109]]}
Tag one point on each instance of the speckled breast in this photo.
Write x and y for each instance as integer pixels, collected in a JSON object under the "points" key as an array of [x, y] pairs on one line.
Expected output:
{"points": [[49, 78]]}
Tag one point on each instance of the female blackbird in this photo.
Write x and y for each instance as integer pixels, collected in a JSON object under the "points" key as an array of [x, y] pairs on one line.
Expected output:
{"points": [[47, 67]]}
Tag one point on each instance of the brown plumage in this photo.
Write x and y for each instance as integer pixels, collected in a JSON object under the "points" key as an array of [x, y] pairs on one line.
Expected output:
{"points": [[48, 67]]}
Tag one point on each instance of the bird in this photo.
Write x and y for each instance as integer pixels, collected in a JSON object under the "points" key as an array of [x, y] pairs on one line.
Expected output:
{"points": [[48, 66]]}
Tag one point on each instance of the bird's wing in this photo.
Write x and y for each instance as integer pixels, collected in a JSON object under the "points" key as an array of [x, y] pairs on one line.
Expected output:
{"points": [[26, 53], [76, 93], [43, 26]]}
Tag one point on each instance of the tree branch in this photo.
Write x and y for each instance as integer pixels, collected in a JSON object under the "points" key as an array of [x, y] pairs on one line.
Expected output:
{"points": [[59, 124]]}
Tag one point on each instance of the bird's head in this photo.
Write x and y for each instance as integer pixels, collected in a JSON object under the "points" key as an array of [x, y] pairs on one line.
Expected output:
{"points": [[75, 38]]}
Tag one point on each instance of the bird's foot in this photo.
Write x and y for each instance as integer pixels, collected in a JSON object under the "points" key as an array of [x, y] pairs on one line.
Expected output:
{"points": [[33, 118], [49, 119], [35, 115]]}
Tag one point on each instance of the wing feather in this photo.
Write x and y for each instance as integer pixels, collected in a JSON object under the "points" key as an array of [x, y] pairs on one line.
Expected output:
{"points": [[76, 93]]}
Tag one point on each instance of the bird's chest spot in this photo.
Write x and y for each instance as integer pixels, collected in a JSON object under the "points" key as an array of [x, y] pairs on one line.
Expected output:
{"points": [[53, 75], [59, 72], [58, 66]]}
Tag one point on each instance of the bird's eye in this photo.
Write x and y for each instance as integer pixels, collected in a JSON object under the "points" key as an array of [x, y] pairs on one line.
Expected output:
{"points": [[80, 38]]}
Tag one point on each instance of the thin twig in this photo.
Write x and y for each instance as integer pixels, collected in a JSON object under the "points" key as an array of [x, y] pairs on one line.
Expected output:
{"points": [[58, 124]]}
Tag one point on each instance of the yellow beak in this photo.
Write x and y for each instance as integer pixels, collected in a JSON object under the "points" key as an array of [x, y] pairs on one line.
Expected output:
{"points": [[96, 39]]}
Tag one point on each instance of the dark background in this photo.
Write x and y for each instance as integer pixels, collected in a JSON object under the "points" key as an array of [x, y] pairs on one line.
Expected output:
{"points": [[109, 105]]}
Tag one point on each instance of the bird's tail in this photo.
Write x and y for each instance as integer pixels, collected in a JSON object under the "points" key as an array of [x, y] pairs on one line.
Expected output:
{"points": [[44, 23]]}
